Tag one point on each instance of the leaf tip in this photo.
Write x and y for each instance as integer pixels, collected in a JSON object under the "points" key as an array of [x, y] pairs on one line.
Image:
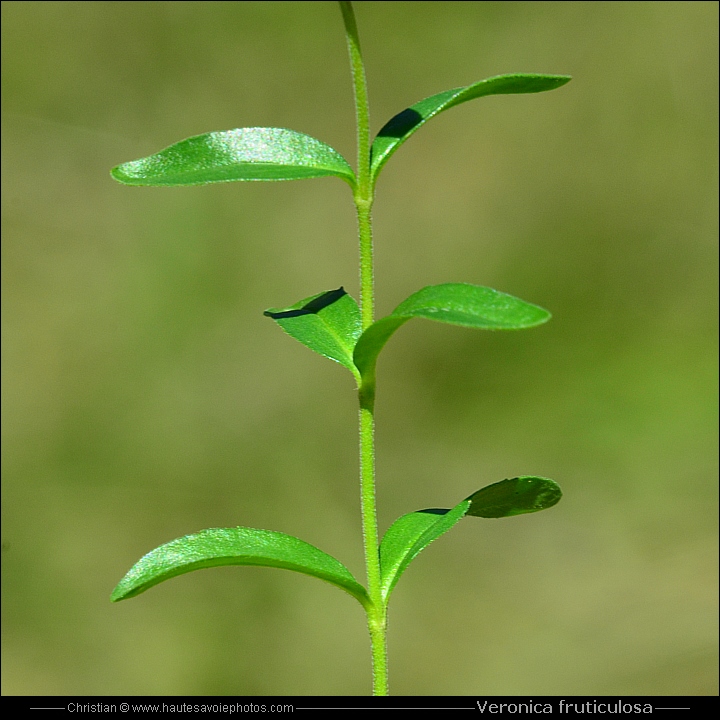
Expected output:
{"points": [[549, 82], [119, 593], [123, 174], [129, 586], [562, 79]]}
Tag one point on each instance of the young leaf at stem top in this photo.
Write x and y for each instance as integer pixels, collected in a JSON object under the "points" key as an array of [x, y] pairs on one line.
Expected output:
{"points": [[454, 303], [235, 546], [399, 128], [328, 323], [412, 533], [242, 154]]}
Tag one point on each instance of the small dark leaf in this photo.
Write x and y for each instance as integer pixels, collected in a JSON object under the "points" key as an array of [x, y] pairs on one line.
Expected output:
{"points": [[516, 496]]}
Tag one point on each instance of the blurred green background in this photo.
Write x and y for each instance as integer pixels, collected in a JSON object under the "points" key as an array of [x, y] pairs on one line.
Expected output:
{"points": [[146, 396]]}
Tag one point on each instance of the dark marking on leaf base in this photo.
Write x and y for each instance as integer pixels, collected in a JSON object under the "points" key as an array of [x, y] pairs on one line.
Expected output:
{"points": [[401, 124], [311, 308]]}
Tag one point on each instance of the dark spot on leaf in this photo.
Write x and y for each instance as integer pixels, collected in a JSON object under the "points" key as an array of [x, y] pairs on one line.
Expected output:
{"points": [[401, 124], [311, 308]]}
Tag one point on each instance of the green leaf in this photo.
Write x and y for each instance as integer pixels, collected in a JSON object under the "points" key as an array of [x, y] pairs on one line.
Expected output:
{"points": [[328, 323], [525, 494], [235, 546], [412, 533], [454, 303], [242, 154], [395, 132]]}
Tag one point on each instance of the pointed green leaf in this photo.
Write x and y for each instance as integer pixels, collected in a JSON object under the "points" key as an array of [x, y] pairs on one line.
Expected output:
{"points": [[472, 306], [395, 132], [235, 546], [412, 533], [455, 303], [516, 496], [328, 323], [242, 154]]}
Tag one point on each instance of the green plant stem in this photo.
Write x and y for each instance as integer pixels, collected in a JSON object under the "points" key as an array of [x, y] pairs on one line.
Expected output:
{"points": [[363, 196], [363, 190]]}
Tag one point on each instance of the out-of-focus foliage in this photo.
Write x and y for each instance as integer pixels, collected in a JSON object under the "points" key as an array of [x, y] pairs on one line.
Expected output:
{"points": [[146, 396]]}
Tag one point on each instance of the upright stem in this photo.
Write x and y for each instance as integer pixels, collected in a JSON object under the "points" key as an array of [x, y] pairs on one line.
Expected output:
{"points": [[363, 190], [363, 195]]}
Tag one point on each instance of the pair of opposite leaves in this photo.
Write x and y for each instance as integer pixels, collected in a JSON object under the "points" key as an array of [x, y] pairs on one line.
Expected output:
{"points": [[329, 323], [281, 154]]}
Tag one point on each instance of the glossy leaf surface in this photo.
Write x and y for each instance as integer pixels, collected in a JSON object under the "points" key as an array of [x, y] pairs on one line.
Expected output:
{"points": [[412, 533], [399, 128], [328, 323], [455, 303], [516, 496], [235, 546], [242, 154]]}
